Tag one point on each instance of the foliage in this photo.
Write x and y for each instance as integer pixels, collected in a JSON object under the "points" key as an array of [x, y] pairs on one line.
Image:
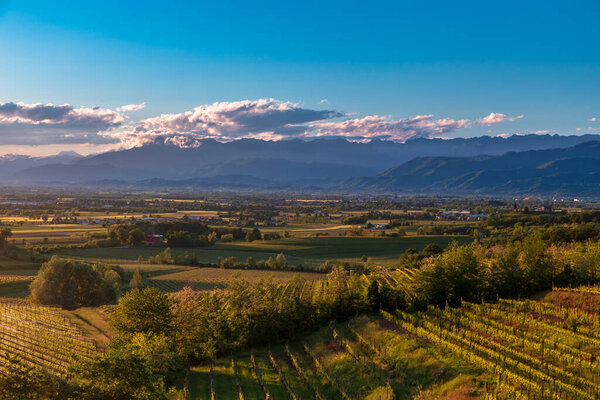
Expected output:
{"points": [[144, 311], [73, 284], [25, 383]]}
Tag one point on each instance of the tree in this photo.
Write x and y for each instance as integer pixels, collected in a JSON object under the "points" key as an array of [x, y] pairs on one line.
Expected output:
{"points": [[181, 239], [280, 261], [144, 311], [5, 233], [453, 276], [136, 237], [122, 373], [73, 284], [373, 295], [137, 281]]}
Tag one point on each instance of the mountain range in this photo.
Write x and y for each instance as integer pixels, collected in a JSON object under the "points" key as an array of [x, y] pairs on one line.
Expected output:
{"points": [[529, 164]]}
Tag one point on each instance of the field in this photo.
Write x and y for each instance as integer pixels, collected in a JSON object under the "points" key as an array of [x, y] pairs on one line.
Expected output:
{"points": [[41, 336], [514, 349], [217, 278], [308, 251], [339, 363]]}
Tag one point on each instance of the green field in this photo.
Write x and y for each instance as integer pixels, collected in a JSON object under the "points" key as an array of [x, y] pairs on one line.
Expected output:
{"points": [[411, 368], [308, 251]]}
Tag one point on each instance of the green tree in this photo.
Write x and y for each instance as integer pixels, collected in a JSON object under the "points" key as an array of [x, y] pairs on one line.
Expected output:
{"points": [[136, 237], [73, 284], [137, 281], [122, 373], [453, 276], [280, 261], [145, 310], [374, 295], [5, 234]]}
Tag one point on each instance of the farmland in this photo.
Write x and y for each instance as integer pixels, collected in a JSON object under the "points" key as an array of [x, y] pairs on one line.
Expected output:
{"points": [[41, 336], [513, 349], [308, 301], [309, 251]]}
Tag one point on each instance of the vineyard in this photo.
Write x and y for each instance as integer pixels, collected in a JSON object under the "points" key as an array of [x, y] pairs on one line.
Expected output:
{"points": [[359, 360], [536, 349], [41, 337], [509, 350]]}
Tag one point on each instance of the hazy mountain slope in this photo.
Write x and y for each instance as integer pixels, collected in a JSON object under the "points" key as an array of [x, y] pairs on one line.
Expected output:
{"points": [[574, 170], [320, 162]]}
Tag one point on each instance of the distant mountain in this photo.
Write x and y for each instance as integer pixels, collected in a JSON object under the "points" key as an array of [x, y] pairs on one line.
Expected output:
{"points": [[10, 163], [321, 163], [568, 171]]}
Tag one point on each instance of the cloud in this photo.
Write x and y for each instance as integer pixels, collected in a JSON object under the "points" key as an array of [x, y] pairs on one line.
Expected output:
{"points": [[323, 101], [131, 107], [542, 132], [593, 119], [375, 126], [266, 119], [496, 118], [227, 121], [50, 114], [39, 123]]}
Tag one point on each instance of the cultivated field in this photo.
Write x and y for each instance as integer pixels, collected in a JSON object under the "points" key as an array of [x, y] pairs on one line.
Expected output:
{"points": [[217, 278], [308, 251], [41, 336]]}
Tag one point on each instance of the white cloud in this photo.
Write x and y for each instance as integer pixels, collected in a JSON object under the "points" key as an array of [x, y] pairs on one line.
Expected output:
{"points": [[40, 124], [266, 119], [226, 121], [132, 107], [375, 126], [496, 118], [50, 114]]}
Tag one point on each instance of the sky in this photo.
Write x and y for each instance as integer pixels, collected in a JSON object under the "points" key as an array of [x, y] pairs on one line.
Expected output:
{"points": [[97, 76]]}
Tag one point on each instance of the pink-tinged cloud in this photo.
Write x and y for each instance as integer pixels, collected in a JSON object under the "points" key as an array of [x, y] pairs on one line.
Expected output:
{"points": [[40, 124], [227, 121], [50, 114], [496, 118], [593, 119], [375, 126], [131, 107], [542, 132]]}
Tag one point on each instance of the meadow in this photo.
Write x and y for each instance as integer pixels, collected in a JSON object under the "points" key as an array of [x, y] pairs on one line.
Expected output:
{"points": [[308, 251]]}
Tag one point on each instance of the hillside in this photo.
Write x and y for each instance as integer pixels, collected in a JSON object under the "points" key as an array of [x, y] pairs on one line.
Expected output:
{"points": [[297, 163], [569, 171]]}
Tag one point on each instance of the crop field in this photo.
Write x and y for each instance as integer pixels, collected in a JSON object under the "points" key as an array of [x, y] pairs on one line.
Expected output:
{"points": [[309, 251], [510, 350], [217, 278], [362, 360], [537, 349], [41, 337]]}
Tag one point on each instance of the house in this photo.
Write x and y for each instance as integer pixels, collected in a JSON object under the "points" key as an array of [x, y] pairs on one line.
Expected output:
{"points": [[154, 239]]}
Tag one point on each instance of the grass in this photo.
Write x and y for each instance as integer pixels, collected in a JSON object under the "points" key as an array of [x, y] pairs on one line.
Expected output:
{"points": [[309, 251], [412, 367], [94, 323], [217, 278]]}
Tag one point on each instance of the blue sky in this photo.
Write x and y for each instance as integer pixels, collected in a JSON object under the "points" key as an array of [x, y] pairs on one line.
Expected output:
{"points": [[536, 63]]}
